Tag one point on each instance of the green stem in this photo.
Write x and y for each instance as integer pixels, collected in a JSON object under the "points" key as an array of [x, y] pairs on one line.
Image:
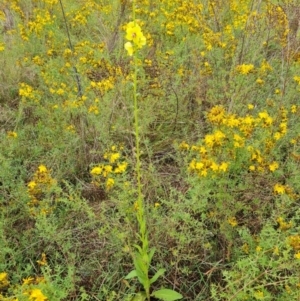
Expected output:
{"points": [[140, 200]]}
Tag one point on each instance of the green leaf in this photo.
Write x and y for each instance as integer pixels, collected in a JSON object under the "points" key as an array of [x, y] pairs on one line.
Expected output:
{"points": [[157, 275], [141, 296], [141, 271], [139, 248], [151, 253], [166, 295], [132, 274]]}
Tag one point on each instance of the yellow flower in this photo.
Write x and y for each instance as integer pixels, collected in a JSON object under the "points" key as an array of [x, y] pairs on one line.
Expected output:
{"points": [[107, 170], [259, 81], [28, 280], [114, 157], [37, 295], [12, 134], [96, 170], [279, 189], [136, 206], [284, 225], [31, 185], [259, 295], [199, 165], [43, 261], [3, 280], [209, 140], [216, 114], [223, 166], [214, 166], [245, 248], [273, 166], [129, 47], [297, 79], [232, 221], [245, 69], [297, 255], [121, 167], [110, 183], [43, 169], [134, 33], [294, 109]]}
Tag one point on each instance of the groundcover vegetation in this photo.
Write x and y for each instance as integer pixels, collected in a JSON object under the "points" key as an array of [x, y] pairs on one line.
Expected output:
{"points": [[149, 150]]}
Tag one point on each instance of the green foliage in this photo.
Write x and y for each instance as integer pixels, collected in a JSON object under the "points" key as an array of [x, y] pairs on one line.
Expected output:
{"points": [[190, 147]]}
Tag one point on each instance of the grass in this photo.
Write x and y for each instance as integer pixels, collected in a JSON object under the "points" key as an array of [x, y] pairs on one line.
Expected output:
{"points": [[217, 91]]}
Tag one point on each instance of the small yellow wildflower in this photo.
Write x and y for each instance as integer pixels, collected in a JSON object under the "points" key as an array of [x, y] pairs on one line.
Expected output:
{"points": [[277, 91], [110, 183], [245, 248], [297, 79], [107, 170], [156, 205], [260, 81], [258, 249], [245, 69], [114, 157], [129, 47], [31, 185], [37, 295], [297, 255], [96, 170], [294, 109], [42, 169], [216, 114], [28, 280], [279, 189], [199, 165], [203, 173], [121, 167], [283, 225], [135, 206], [250, 106], [3, 280], [223, 167], [43, 261], [273, 166], [232, 221], [259, 295], [214, 166], [12, 134], [209, 140]]}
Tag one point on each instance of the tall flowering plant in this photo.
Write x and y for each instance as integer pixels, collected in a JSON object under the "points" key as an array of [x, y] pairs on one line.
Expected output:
{"points": [[143, 254]]}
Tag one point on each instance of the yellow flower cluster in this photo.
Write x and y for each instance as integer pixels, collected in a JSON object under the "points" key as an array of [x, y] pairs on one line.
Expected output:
{"points": [[41, 19], [41, 184], [135, 37], [245, 69], [29, 288], [283, 225], [233, 134], [106, 172], [3, 280], [278, 21], [294, 242], [12, 134]]}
